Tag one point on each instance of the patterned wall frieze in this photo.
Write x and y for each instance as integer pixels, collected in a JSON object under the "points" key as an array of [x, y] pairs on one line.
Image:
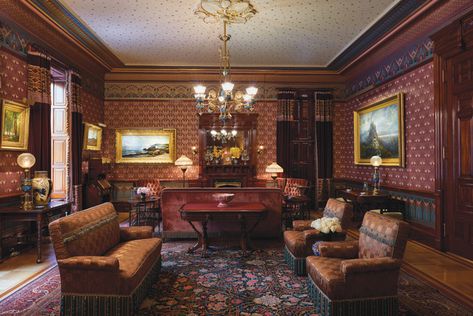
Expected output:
{"points": [[178, 91], [393, 66], [13, 40]]}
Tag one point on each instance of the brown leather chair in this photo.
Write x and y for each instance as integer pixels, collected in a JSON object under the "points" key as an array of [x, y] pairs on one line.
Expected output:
{"points": [[105, 269], [360, 277], [299, 241]]}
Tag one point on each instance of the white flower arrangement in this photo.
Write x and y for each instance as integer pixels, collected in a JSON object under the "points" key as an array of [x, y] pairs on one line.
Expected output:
{"points": [[327, 225], [143, 190]]}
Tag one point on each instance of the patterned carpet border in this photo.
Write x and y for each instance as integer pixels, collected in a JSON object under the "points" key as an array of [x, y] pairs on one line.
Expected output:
{"points": [[226, 284]]}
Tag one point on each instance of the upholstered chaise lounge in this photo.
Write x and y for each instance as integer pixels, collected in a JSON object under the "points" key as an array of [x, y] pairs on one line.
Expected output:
{"points": [[105, 269], [298, 242], [360, 277]]}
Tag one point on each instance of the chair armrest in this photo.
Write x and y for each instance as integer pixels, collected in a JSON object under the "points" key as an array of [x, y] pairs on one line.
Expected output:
{"points": [[354, 266], [301, 225], [339, 249], [135, 232], [103, 263]]}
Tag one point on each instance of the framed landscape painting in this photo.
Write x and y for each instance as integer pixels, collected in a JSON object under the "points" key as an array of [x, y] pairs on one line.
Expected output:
{"points": [[92, 137], [379, 130], [15, 125], [146, 146]]}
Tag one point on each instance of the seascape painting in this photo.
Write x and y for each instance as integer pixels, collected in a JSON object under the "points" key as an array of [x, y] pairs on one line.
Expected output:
{"points": [[141, 146], [14, 126], [92, 137], [379, 131]]}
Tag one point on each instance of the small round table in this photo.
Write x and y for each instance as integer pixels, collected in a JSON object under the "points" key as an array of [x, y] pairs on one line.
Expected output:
{"points": [[142, 207]]}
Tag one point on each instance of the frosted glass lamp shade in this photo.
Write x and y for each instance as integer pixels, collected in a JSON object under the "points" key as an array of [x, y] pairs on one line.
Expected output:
{"points": [[247, 98], [252, 91], [227, 86], [26, 160], [376, 161], [199, 89], [183, 162], [274, 168]]}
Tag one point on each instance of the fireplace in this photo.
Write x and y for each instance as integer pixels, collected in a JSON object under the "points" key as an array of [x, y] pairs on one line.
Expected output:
{"points": [[227, 183]]}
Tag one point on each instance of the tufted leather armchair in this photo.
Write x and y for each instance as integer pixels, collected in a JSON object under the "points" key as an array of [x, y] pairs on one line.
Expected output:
{"points": [[360, 277], [299, 241], [104, 269]]}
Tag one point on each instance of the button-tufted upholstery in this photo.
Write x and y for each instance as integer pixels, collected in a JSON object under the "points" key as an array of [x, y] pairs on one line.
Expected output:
{"points": [[103, 268], [299, 241], [360, 277]]}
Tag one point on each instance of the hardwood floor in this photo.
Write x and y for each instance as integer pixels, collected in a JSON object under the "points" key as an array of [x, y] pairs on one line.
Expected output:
{"points": [[450, 274]]}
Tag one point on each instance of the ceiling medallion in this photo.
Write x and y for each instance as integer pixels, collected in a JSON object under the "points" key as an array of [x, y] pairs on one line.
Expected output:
{"points": [[225, 101]]}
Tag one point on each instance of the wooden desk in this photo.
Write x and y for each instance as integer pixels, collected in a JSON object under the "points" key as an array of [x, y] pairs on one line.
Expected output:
{"points": [[364, 201], [234, 212], [38, 215]]}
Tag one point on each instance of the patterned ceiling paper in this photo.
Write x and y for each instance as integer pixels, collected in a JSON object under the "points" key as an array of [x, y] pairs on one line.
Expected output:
{"points": [[284, 32]]}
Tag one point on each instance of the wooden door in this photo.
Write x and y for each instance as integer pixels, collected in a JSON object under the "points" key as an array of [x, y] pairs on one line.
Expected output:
{"points": [[459, 170]]}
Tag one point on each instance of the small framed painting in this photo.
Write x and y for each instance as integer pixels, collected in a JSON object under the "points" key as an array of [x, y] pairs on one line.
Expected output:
{"points": [[15, 125], [92, 137], [146, 146], [379, 131]]}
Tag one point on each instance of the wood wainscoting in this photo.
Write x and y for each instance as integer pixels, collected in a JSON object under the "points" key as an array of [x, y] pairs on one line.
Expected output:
{"points": [[422, 210]]}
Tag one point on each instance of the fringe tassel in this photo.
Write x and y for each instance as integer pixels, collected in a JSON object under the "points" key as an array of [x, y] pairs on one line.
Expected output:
{"points": [[297, 264], [113, 305], [379, 306]]}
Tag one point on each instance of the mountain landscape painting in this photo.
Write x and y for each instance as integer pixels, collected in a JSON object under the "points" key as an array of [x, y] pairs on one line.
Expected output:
{"points": [[379, 131]]}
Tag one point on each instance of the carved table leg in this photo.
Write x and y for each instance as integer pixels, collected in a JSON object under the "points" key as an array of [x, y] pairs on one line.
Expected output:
{"points": [[243, 236], [205, 240], [199, 240], [39, 218]]}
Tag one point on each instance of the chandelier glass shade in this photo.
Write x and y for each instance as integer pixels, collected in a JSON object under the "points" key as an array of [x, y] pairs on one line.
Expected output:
{"points": [[226, 100]]}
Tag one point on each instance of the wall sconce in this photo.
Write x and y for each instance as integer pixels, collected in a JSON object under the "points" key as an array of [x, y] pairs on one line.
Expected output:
{"points": [[260, 149], [194, 150]]}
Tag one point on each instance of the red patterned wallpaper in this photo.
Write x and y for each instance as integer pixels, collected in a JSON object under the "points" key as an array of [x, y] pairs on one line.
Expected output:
{"points": [[92, 108], [13, 71], [181, 115], [419, 174]]}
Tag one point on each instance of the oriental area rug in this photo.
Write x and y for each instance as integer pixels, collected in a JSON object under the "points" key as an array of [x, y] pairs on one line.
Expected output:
{"points": [[225, 284]]}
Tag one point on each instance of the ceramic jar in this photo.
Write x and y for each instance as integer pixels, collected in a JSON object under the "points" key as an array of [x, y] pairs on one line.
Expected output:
{"points": [[42, 187]]}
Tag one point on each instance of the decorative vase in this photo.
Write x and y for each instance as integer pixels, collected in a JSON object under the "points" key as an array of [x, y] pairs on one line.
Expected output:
{"points": [[42, 187]]}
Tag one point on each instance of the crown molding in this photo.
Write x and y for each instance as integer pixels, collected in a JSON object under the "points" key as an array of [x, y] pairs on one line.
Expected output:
{"points": [[65, 21], [295, 76]]}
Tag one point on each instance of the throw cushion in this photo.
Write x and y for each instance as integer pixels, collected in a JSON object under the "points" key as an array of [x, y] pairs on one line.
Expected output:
{"points": [[315, 248]]}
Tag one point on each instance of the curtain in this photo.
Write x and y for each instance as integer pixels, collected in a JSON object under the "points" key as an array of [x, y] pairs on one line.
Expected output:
{"points": [[324, 144], [285, 119], [39, 96], [77, 136]]}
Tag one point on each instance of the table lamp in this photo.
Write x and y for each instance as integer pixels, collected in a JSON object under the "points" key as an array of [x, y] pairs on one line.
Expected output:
{"points": [[376, 161], [26, 161], [274, 169], [183, 162]]}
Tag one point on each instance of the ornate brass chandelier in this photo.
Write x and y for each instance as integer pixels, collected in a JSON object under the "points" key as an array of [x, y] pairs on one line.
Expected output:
{"points": [[225, 101]]}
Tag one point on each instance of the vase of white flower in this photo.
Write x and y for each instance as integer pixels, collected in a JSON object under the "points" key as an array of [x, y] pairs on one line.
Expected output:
{"points": [[327, 225], [143, 192]]}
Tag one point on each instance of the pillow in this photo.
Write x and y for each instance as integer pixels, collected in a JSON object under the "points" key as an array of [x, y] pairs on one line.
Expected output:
{"points": [[315, 248]]}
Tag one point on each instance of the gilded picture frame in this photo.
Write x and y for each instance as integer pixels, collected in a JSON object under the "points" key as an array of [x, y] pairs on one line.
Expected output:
{"points": [[92, 137], [379, 130], [156, 146], [15, 125]]}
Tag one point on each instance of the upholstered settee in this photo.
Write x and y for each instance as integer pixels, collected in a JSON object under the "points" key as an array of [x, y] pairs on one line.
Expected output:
{"points": [[298, 242], [172, 199], [360, 277], [105, 269]]}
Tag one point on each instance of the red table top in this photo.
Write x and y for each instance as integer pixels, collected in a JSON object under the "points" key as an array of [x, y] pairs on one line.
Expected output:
{"points": [[232, 207]]}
